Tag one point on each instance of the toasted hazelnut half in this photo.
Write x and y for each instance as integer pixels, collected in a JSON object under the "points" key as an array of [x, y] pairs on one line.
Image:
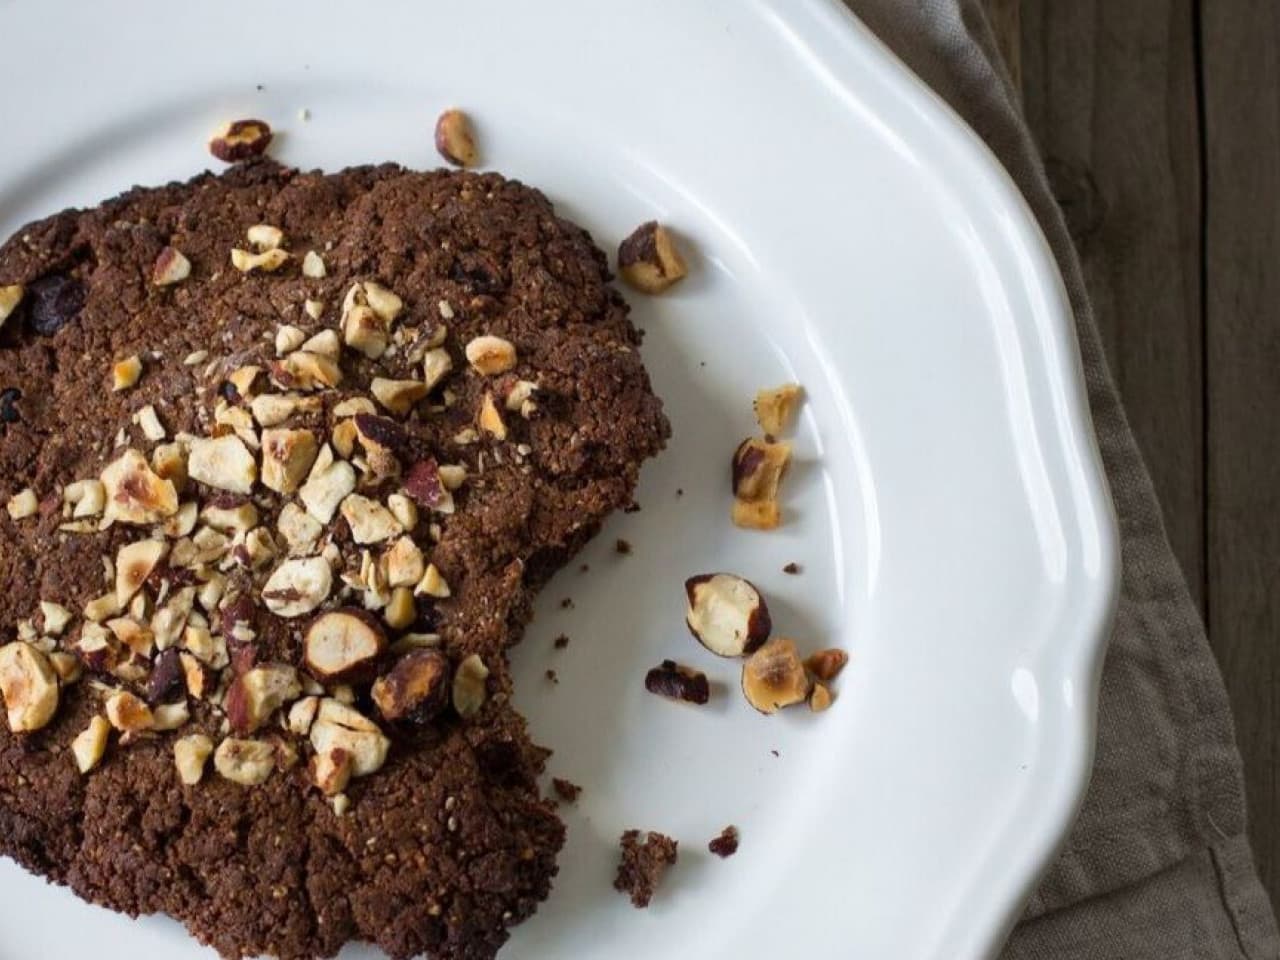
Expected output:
{"points": [[775, 407], [398, 396], [416, 689], [825, 665], [287, 456], [678, 682], [134, 563], [454, 139], [649, 260], [190, 754], [342, 644], [246, 762], [726, 613], [340, 727], [298, 586], [469, 688], [128, 713], [240, 140], [29, 687], [222, 462], [774, 676], [10, 296], [758, 468], [259, 692], [126, 373], [170, 267], [490, 355], [90, 744]]}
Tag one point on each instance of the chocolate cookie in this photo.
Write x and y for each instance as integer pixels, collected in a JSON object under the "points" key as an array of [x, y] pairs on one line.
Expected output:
{"points": [[288, 455]]}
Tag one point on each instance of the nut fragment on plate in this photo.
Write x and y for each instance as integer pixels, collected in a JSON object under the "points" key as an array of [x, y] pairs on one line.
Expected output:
{"points": [[774, 676], [416, 689], [28, 685], [678, 682], [726, 844], [825, 665], [820, 699], [126, 373], [90, 744], [240, 140], [171, 267], [758, 468], [469, 689], [774, 407], [342, 645], [649, 260], [490, 355], [190, 754], [246, 762], [10, 296], [726, 613], [455, 140]]}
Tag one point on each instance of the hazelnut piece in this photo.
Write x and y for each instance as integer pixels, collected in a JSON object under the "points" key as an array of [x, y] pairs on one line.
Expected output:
{"points": [[726, 613], [774, 676], [416, 689], [287, 456], [469, 689], [10, 297], [134, 563], [490, 419], [246, 762], [342, 644], [264, 236], [268, 261], [313, 266], [326, 488], [331, 771], [302, 714], [259, 692], [678, 682], [490, 355], [190, 754], [454, 139], [298, 586], [820, 699], [28, 685], [825, 665], [170, 267], [369, 520], [23, 504], [775, 407], [240, 140], [128, 713], [398, 396], [404, 563], [126, 373], [305, 370], [338, 726], [90, 744], [648, 259], [756, 514], [222, 462], [758, 467]]}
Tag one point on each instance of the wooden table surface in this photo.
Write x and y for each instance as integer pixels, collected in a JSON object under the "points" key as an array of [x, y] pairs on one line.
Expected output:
{"points": [[1178, 235]]}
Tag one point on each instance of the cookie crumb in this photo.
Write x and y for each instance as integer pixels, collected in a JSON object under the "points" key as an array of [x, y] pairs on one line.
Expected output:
{"points": [[642, 865], [725, 845], [566, 790], [566, 603], [562, 641], [631, 508], [792, 568], [775, 753], [622, 546], [679, 491], [551, 675]]}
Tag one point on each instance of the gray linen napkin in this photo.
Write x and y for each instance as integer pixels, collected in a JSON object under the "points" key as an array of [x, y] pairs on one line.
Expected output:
{"points": [[1157, 866]]}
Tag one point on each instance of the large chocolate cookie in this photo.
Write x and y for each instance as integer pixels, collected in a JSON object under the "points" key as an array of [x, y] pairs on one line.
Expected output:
{"points": [[304, 537]]}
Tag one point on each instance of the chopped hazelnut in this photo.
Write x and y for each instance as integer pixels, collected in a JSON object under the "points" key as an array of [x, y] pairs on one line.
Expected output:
{"points": [[404, 510], [28, 685], [222, 462], [370, 521], [23, 504], [125, 373], [298, 586], [436, 364], [489, 419], [490, 355], [149, 421], [234, 518], [649, 260], [758, 468], [289, 338], [726, 613], [90, 744], [299, 529], [331, 771], [520, 396], [400, 610], [190, 754], [55, 618], [66, 665], [134, 563], [775, 407], [268, 261], [87, 497], [313, 266], [169, 461], [678, 682], [342, 644], [170, 267], [10, 296], [258, 693], [287, 456], [454, 139], [128, 713], [756, 514], [246, 762], [263, 236], [774, 676], [469, 688], [820, 699], [313, 308], [338, 726], [325, 344], [404, 563], [827, 664], [398, 396], [240, 140], [432, 584], [170, 716], [302, 714], [325, 489], [305, 370]]}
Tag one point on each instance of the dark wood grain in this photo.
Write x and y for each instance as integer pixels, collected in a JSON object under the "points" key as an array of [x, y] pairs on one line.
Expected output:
{"points": [[1094, 72], [1240, 42]]}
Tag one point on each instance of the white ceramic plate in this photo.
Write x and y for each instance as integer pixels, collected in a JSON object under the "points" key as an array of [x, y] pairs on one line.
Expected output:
{"points": [[947, 505]]}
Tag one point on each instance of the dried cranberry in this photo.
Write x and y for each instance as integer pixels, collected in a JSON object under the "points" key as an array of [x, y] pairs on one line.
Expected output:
{"points": [[8, 412], [53, 302]]}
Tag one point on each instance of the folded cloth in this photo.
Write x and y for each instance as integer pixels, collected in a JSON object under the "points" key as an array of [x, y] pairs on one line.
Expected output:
{"points": [[1157, 866]]}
